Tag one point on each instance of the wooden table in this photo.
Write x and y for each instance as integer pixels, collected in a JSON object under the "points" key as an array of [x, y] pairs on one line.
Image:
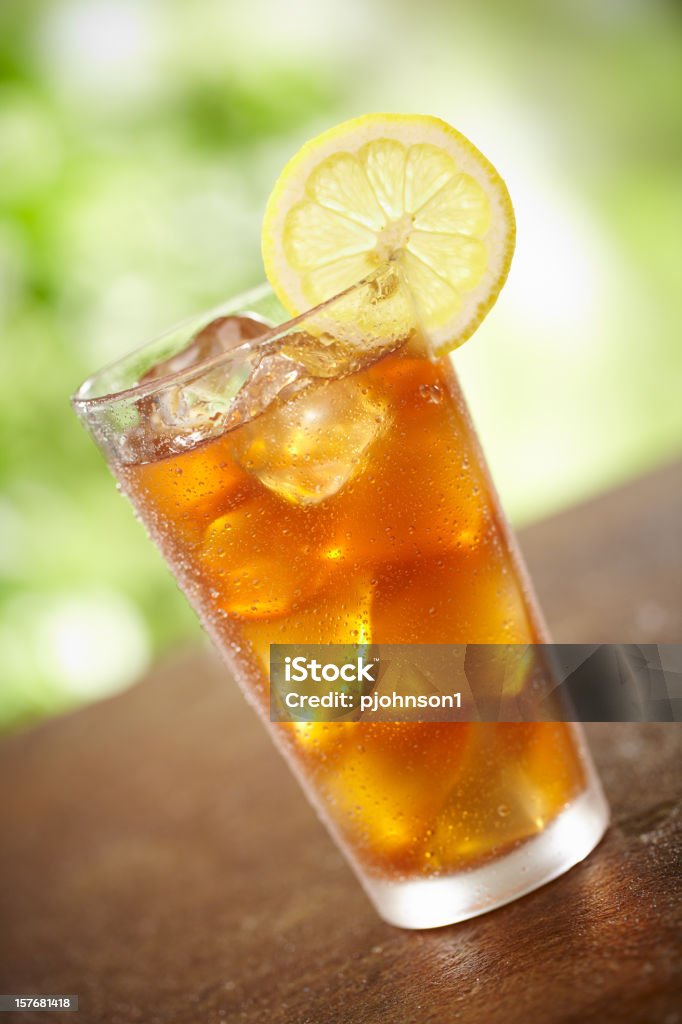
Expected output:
{"points": [[157, 858]]}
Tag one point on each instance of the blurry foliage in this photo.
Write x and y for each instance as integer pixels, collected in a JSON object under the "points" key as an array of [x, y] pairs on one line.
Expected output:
{"points": [[116, 220], [138, 143]]}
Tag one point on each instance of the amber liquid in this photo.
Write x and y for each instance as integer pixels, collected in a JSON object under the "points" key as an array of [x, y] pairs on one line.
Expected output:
{"points": [[362, 510]]}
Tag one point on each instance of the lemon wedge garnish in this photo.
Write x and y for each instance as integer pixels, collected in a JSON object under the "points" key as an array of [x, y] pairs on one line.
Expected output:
{"points": [[398, 189]]}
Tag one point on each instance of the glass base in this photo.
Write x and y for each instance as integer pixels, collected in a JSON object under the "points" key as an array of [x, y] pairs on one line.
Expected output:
{"points": [[435, 902]]}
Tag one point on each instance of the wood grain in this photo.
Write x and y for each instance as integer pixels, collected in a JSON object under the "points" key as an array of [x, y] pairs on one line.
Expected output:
{"points": [[157, 858]]}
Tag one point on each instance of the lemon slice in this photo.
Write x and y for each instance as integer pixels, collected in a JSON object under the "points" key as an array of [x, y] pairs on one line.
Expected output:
{"points": [[392, 189]]}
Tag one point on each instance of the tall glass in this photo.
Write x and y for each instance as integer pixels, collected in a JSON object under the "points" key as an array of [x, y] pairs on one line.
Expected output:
{"points": [[320, 481]]}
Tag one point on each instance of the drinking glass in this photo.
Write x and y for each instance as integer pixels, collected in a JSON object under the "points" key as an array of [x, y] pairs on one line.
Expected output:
{"points": [[318, 481]]}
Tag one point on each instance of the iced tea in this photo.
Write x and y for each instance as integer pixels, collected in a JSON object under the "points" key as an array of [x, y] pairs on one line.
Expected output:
{"points": [[355, 507], [359, 510]]}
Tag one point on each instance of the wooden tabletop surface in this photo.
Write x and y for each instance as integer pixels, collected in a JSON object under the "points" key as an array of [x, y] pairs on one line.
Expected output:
{"points": [[157, 858]]}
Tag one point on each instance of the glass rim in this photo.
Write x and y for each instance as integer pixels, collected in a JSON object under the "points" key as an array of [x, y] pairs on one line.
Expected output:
{"points": [[83, 402]]}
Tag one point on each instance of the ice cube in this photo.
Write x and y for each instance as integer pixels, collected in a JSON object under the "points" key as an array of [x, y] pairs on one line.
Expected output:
{"points": [[357, 327], [309, 446], [289, 364], [323, 355], [216, 338], [248, 557], [180, 415], [273, 375]]}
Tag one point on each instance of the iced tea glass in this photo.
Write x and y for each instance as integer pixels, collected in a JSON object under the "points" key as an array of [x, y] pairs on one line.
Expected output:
{"points": [[319, 480]]}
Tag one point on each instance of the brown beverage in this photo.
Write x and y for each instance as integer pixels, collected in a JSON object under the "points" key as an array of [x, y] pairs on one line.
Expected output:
{"points": [[355, 507]]}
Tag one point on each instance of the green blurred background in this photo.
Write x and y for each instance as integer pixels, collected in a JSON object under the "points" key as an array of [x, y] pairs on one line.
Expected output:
{"points": [[139, 140]]}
